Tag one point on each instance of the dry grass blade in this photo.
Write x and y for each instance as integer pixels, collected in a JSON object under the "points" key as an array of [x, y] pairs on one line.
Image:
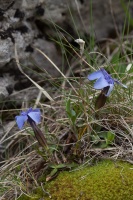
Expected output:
{"points": [[38, 99], [38, 86], [56, 68]]}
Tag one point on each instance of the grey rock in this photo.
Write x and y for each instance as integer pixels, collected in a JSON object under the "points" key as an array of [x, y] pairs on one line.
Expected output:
{"points": [[5, 4], [6, 84], [33, 23], [50, 50], [6, 48]]}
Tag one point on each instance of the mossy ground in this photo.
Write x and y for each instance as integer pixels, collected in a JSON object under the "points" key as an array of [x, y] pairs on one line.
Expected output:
{"points": [[106, 180]]}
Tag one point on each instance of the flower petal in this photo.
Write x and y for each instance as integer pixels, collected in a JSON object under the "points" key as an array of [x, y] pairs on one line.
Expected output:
{"points": [[118, 82], [36, 110], [95, 75], [20, 120], [123, 85], [100, 83], [110, 90], [35, 116]]}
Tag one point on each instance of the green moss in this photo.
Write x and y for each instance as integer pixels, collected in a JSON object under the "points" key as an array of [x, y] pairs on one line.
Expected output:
{"points": [[105, 181]]}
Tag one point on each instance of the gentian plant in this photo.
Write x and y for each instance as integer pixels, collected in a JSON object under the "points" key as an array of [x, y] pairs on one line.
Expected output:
{"points": [[33, 117], [104, 81]]}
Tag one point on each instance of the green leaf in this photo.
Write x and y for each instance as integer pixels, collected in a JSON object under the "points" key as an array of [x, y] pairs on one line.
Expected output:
{"points": [[68, 108], [53, 172], [103, 145], [107, 137], [110, 137], [59, 166]]}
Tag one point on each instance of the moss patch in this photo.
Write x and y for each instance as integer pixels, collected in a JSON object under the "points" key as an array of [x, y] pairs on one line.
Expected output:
{"points": [[105, 181]]}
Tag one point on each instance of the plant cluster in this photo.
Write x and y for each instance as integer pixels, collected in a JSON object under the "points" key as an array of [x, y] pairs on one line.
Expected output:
{"points": [[80, 124]]}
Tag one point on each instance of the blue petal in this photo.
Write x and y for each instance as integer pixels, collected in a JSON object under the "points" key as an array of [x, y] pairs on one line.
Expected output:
{"points": [[123, 85], [23, 113], [35, 116], [36, 110], [95, 75], [26, 112], [100, 83], [20, 120], [110, 89], [118, 82], [30, 109]]}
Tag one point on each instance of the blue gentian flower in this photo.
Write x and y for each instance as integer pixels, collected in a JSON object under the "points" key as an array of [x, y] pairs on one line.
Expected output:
{"points": [[104, 80], [29, 115], [33, 117]]}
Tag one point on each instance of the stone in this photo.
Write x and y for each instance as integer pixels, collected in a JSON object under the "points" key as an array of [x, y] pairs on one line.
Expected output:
{"points": [[41, 24]]}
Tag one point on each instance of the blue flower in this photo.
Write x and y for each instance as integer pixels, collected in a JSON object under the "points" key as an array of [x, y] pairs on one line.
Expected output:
{"points": [[104, 80], [30, 115]]}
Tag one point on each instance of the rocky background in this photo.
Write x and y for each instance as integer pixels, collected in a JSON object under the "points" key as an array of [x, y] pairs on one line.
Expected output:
{"points": [[34, 23]]}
